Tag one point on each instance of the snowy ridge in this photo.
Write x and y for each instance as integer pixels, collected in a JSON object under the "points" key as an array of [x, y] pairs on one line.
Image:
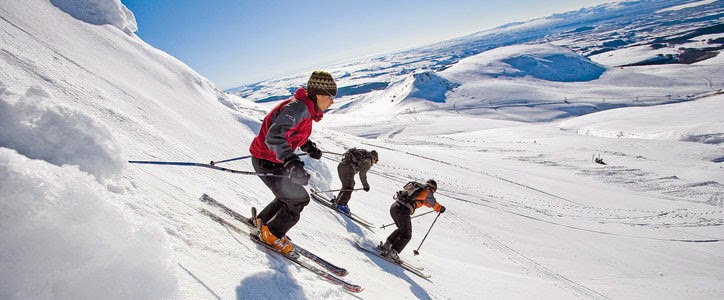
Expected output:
{"points": [[403, 96], [100, 12], [543, 61]]}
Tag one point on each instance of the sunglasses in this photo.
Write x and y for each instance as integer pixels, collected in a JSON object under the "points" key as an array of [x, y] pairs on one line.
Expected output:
{"points": [[330, 95]]}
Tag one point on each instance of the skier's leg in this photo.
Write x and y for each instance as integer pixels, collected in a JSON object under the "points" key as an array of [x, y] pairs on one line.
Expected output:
{"points": [[293, 198], [404, 226], [346, 177], [266, 167]]}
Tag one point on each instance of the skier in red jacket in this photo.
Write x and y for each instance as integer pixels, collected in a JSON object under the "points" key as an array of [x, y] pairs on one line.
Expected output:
{"points": [[286, 127]]}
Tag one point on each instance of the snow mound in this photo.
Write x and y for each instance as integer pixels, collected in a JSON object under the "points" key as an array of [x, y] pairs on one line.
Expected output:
{"points": [[100, 12], [37, 128], [66, 237], [543, 61], [418, 91], [430, 86]]}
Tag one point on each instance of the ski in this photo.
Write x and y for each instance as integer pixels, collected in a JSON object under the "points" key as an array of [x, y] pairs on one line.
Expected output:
{"points": [[239, 217], [412, 269], [326, 275], [317, 197], [339, 271], [402, 262]]}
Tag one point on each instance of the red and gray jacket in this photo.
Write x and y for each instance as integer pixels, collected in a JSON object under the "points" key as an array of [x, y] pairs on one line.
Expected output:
{"points": [[285, 128]]}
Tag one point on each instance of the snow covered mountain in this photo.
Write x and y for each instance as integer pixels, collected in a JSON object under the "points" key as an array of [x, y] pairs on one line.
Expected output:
{"points": [[660, 32], [508, 133]]}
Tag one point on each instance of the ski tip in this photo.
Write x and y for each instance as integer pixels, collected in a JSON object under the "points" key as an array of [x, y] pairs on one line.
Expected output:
{"points": [[253, 213]]}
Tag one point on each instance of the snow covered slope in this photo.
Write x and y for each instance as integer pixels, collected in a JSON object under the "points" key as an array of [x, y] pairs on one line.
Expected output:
{"points": [[78, 101], [529, 215]]}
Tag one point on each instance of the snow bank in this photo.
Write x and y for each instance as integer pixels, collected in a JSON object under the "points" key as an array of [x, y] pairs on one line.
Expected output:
{"points": [[694, 121], [688, 5], [631, 55], [100, 12], [63, 237], [36, 127], [544, 61]]}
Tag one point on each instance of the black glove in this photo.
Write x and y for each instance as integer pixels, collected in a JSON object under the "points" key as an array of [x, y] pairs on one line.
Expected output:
{"points": [[366, 187], [295, 169], [442, 209], [311, 149]]}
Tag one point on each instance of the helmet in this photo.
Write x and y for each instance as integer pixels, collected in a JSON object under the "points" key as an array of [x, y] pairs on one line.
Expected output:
{"points": [[432, 184], [375, 156]]}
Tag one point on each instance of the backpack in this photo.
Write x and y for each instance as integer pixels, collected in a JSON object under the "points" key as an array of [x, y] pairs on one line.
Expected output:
{"points": [[409, 192], [355, 155]]}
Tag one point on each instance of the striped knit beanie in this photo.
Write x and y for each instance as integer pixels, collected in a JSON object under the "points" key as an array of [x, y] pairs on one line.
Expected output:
{"points": [[321, 83]]}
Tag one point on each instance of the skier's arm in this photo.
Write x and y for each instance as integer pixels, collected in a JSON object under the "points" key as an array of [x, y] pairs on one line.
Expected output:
{"points": [[430, 201], [364, 167], [276, 138]]}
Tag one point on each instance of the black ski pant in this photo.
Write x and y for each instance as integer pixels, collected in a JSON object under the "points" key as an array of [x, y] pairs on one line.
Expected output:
{"points": [[403, 234], [290, 198], [346, 176]]}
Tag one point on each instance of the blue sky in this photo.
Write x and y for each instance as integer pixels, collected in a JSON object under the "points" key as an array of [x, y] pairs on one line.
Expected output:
{"points": [[235, 42]]}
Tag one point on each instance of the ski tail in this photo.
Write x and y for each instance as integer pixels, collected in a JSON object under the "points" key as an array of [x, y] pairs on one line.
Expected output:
{"points": [[412, 269], [323, 200], [255, 227], [306, 265]]}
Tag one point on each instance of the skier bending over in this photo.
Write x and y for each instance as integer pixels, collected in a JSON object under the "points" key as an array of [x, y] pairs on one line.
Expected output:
{"points": [[354, 161], [401, 210], [286, 127]]}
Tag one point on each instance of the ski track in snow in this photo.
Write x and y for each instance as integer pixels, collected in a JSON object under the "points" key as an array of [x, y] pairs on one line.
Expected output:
{"points": [[507, 207], [518, 258], [477, 171], [528, 263], [635, 179]]}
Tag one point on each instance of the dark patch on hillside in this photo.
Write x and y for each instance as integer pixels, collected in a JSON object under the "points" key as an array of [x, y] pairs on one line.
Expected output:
{"points": [[361, 88]]}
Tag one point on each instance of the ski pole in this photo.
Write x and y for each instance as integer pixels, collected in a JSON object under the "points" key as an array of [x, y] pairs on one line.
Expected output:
{"points": [[428, 232], [228, 160], [192, 164], [240, 157], [420, 215], [328, 152], [340, 190]]}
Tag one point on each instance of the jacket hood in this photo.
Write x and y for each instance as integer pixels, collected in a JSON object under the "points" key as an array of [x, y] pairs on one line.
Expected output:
{"points": [[301, 94]]}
